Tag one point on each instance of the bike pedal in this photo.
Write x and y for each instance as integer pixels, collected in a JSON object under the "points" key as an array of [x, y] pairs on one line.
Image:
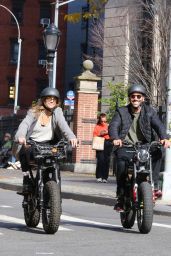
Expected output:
{"points": [[24, 204], [118, 209]]}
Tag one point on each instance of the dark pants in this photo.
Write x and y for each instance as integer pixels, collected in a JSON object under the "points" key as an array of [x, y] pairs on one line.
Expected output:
{"points": [[123, 157], [25, 155], [103, 161]]}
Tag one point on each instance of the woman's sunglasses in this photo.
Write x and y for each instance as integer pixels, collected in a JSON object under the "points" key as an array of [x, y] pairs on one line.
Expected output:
{"points": [[49, 98]]}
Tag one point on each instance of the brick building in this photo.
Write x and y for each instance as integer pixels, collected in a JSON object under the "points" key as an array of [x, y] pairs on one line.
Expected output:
{"points": [[33, 77]]}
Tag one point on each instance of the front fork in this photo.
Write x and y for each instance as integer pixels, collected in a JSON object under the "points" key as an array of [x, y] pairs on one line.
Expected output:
{"points": [[55, 177], [40, 186], [135, 187]]}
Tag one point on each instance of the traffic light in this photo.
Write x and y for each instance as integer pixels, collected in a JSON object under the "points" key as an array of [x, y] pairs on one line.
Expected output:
{"points": [[12, 92]]}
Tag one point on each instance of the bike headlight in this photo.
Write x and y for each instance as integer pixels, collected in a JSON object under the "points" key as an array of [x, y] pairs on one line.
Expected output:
{"points": [[54, 150], [143, 155]]}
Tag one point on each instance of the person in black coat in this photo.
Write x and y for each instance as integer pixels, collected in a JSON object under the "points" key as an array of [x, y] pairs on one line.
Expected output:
{"points": [[136, 123]]}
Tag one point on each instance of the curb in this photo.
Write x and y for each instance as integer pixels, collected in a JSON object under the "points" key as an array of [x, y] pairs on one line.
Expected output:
{"points": [[84, 198]]}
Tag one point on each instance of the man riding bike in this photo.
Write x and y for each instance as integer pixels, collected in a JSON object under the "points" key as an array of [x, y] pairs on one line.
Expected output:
{"points": [[134, 123]]}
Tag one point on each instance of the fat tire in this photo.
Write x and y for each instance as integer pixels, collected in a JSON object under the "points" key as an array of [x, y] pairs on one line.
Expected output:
{"points": [[128, 218], [145, 210], [52, 209], [31, 212]]}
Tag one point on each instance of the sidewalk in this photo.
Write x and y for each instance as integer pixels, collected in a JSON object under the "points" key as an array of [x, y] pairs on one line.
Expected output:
{"points": [[82, 187]]}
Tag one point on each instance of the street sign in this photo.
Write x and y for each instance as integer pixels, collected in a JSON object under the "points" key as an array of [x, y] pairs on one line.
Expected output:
{"points": [[69, 102], [70, 95]]}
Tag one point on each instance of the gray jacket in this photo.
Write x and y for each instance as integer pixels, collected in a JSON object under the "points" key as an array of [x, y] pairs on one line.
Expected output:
{"points": [[59, 125], [25, 128]]}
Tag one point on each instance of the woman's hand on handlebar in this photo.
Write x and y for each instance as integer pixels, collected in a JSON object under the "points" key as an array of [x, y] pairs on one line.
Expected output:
{"points": [[117, 143], [166, 143], [22, 141], [74, 142]]}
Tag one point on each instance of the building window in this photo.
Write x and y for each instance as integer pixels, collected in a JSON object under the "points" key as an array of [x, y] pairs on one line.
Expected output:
{"points": [[14, 51], [17, 9], [45, 10]]}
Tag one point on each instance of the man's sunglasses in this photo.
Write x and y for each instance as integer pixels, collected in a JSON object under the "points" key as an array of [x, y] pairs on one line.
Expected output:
{"points": [[136, 96]]}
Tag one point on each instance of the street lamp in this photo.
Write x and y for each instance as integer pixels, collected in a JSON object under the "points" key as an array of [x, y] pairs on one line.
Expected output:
{"points": [[58, 4], [18, 60], [51, 37]]}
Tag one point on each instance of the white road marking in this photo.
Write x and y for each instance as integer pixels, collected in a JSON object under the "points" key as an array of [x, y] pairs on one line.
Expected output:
{"points": [[5, 206], [161, 225], [9, 219], [73, 219], [44, 253]]}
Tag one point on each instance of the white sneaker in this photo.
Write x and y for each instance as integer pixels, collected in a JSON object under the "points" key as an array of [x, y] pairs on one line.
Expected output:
{"points": [[99, 180], [14, 166], [104, 181], [10, 168], [18, 164]]}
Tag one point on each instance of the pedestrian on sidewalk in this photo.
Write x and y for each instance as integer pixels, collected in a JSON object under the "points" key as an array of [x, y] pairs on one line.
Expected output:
{"points": [[44, 122], [136, 123], [103, 156], [5, 150]]}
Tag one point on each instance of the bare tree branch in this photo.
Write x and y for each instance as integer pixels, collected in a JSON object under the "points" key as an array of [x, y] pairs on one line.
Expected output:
{"points": [[142, 47]]}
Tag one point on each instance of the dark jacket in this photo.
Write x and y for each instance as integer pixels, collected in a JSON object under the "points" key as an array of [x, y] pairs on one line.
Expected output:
{"points": [[148, 121]]}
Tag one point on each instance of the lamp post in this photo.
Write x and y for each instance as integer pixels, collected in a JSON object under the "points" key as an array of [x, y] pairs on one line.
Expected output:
{"points": [[167, 173], [56, 17], [51, 37], [18, 61]]}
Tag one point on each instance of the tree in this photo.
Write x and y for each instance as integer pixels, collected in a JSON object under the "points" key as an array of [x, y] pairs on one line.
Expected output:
{"points": [[118, 98], [96, 7], [143, 47]]}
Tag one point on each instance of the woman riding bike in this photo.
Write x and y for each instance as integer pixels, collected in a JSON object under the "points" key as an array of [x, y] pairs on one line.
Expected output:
{"points": [[44, 122]]}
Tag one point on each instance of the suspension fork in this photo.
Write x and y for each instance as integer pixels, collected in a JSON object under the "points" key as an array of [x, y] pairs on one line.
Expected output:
{"points": [[40, 185], [135, 187], [151, 181], [56, 173]]}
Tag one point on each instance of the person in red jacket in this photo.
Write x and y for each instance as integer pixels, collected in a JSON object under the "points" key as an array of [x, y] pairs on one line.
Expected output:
{"points": [[103, 156]]}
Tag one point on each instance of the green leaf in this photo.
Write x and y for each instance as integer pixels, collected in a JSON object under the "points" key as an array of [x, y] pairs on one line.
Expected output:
{"points": [[118, 97]]}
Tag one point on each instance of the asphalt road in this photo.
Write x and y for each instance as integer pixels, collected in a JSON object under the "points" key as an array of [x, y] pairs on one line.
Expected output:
{"points": [[85, 229]]}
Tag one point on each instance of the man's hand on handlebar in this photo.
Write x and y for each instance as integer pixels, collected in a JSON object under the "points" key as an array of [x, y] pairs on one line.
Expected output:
{"points": [[166, 143], [117, 143]]}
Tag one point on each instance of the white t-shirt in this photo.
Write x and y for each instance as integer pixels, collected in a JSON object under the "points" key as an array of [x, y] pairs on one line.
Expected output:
{"points": [[42, 132]]}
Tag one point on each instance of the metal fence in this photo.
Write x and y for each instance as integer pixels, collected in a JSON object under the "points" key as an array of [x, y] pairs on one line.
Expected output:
{"points": [[9, 124]]}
